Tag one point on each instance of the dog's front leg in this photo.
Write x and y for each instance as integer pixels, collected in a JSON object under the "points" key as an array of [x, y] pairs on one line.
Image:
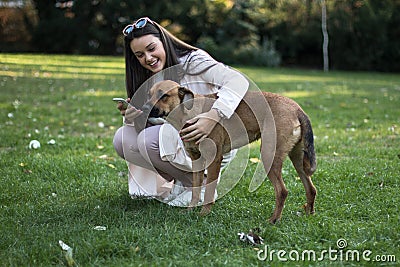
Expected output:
{"points": [[211, 186], [196, 188]]}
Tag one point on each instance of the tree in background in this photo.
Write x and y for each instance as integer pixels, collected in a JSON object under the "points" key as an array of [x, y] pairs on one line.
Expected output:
{"points": [[364, 34], [325, 36], [17, 22], [232, 35], [365, 37], [94, 27]]}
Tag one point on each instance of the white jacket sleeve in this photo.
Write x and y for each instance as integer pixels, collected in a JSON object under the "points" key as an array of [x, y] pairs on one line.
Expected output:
{"points": [[229, 84], [232, 88]]}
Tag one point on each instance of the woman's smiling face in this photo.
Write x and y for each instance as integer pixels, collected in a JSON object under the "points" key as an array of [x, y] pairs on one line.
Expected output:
{"points": [[150, 52]]}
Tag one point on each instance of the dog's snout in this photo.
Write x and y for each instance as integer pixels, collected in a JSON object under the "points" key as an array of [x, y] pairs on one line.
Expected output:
{"points": [[150, 110]]}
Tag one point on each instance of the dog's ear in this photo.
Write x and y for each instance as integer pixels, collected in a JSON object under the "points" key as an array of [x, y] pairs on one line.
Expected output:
{"points": [[186, 97]]}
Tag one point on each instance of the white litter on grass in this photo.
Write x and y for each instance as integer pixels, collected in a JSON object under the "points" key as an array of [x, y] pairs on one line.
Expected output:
{"points": [[52, 142], [16, 103], [64, 246], [100, 228], [10, 115], [251, 238], [68, 253], [34, 144]]}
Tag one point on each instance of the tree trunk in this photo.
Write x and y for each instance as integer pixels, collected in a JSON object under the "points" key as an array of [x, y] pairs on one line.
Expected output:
{"points": [[325, 35]]}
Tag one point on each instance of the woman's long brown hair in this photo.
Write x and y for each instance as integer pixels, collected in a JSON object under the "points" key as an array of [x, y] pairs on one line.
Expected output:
{"points": [[136, 74]]}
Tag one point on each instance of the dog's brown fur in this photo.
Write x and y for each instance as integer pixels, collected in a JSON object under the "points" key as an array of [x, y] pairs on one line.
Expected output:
{"points": [[285, 123]]}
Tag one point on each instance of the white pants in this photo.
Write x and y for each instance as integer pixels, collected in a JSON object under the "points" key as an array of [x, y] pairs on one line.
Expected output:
{"points": [[158, 165]]}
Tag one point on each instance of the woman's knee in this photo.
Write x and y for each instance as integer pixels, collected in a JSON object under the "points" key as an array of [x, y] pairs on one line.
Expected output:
{"points": [[117, 142], [148, 143], [125, 141]]}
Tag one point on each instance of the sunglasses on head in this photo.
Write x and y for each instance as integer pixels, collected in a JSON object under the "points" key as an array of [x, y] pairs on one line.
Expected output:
{"points": [[140, 23]]}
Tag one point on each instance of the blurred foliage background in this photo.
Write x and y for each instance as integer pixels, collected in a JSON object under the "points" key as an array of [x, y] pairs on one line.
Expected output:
{"points": [[363, 34]]}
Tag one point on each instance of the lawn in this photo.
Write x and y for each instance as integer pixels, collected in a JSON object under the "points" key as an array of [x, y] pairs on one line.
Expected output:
{"points": [[75, 181]]}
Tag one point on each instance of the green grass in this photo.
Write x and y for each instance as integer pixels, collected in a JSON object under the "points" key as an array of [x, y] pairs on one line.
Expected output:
{"points": [[62, 191]]}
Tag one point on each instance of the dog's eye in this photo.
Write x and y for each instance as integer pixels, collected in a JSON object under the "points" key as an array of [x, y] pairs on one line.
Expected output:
{"points": [[164, 97]]}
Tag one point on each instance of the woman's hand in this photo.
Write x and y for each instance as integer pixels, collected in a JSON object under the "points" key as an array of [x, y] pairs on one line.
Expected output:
{"points": [[131, 113], [201, 127], [121, 107]]}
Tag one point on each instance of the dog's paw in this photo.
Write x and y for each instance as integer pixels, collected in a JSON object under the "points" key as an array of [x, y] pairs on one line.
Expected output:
{"points": [[273, 220], [205, 210], [309, 210], [193, 203]]}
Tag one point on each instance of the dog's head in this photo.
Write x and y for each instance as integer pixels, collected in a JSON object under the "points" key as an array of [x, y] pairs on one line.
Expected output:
{"points": [[164, 97]]}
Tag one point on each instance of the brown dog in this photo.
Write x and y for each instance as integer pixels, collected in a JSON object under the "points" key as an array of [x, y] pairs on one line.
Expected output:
{"points": [[281, 124]]}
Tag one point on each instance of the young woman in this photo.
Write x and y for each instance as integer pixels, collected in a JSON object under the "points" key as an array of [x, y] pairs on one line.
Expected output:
{"points": [[156, 158]]}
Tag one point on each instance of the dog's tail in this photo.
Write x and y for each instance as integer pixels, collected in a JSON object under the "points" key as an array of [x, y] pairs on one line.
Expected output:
{"points": [[307, 135]]}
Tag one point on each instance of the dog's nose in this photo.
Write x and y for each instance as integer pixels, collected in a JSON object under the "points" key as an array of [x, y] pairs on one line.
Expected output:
{"points": [[151, 110]]}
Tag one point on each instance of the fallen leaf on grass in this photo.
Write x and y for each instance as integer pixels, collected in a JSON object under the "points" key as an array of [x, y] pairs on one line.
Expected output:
{"points": [[255, 160], [134, 250], [112, 166]]}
